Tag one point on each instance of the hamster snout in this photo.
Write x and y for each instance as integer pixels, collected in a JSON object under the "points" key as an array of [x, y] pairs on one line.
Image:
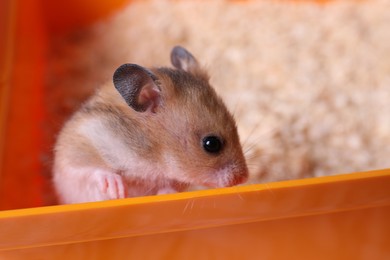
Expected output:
{"points": [[228, 176]]}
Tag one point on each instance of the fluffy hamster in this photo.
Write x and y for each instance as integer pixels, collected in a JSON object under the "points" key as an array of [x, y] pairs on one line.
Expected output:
{"points": [[150, 131]]}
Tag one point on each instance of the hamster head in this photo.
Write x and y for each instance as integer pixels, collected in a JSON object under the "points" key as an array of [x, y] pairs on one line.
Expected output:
{"points": [[195, 135]]}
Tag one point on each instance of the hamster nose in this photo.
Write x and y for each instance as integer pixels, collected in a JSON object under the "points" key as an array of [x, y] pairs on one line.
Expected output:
{"points": [[239, 178]]}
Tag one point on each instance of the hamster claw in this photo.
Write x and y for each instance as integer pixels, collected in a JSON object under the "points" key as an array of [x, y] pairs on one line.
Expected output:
{"points": [[110, 186]]}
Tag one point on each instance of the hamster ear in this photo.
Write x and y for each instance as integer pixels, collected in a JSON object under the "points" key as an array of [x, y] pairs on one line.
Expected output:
{"points": [[137, 87], [183, 60]]}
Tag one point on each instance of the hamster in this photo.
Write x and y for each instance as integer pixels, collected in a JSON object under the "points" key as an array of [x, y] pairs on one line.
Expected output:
{"points": [[148, 132]]}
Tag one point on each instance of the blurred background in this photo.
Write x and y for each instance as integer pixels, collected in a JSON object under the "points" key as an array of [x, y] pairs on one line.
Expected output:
{"points": [[307, 81]]}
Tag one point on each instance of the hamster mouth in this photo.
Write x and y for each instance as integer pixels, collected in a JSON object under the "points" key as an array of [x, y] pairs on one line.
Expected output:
{"points": [[238, 179], [224, 178]]}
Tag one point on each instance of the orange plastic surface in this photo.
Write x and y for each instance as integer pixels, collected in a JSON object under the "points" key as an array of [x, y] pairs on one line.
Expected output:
{"points": [[26, 27], [21, 104], [337, 217]]}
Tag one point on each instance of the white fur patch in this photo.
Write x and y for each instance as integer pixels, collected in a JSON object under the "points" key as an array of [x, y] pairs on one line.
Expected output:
{"points": [[113, 149], [119, 155]]}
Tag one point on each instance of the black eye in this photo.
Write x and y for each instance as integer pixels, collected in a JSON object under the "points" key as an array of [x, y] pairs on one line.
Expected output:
{"points": [[212, 144]]}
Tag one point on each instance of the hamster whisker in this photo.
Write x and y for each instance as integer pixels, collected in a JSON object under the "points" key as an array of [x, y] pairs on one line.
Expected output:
{"points": [[269, 189], [250, 134], [238, 103], [239, 195], [254, 143], [185, 207]]}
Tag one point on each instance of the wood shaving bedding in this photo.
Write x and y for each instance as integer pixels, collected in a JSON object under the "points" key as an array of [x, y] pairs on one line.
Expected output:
{"points": [[309, 84]]}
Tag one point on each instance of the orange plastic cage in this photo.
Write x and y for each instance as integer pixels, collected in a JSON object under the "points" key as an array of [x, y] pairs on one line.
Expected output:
{"points": [[336, 217]]}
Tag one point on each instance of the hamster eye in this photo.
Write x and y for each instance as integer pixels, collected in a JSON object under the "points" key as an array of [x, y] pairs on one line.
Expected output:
{"points": [[212, 144]]}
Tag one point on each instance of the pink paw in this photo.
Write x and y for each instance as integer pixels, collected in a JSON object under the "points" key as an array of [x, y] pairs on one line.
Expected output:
{"points": [[110, 186]]}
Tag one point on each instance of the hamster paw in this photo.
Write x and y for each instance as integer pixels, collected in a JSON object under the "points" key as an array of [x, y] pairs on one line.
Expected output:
{"points": [[110, 186]]}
